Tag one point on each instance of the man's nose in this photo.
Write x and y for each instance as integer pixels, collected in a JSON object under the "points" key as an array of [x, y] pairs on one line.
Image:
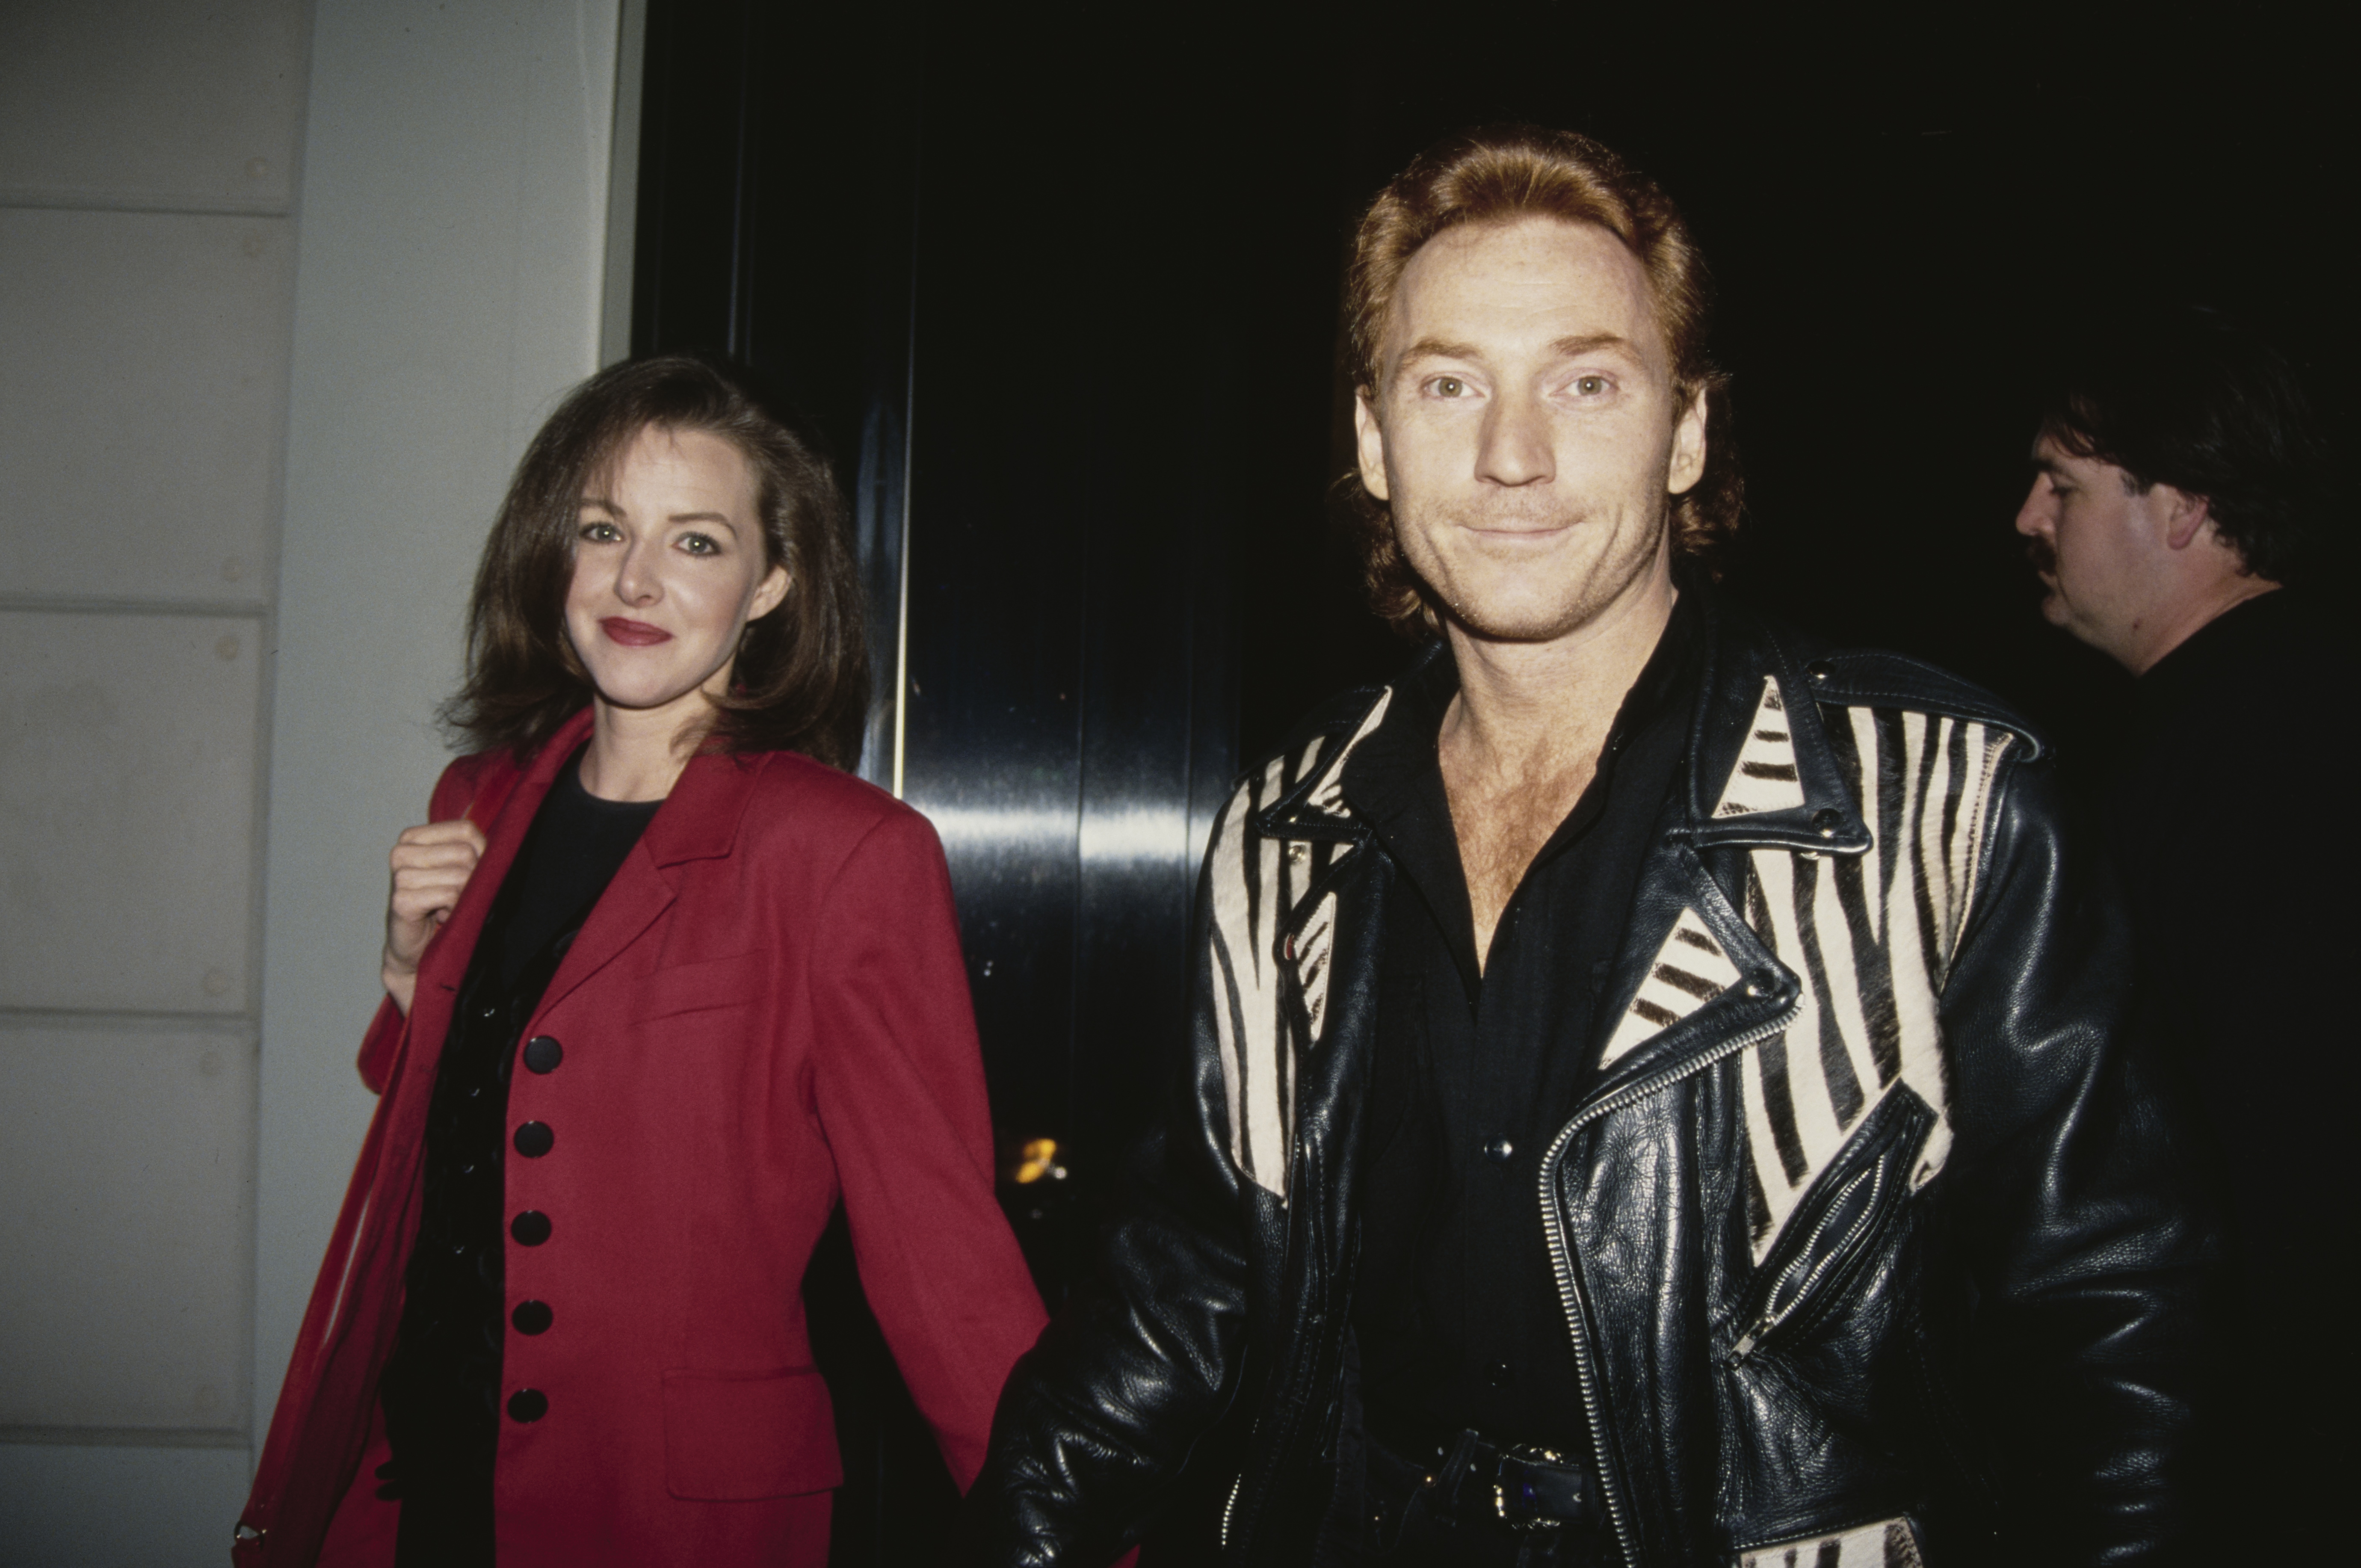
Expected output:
{"points": [[1516, 446], [2033, 517]]}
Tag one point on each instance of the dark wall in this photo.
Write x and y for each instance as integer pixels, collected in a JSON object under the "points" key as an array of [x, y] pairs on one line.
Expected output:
{"points": [[1068, 284]]}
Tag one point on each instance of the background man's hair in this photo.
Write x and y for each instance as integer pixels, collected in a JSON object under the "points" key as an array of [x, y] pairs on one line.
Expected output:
{"points": [[2187, 396], [801, 682], [1498, 175]]}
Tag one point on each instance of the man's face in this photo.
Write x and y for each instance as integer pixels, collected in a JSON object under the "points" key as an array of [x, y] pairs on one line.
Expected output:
{"points": [[2101, 547], [1525, 428]]}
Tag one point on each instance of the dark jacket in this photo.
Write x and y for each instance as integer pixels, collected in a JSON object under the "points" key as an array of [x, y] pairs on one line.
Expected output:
{"points": [[1867, 1223]]}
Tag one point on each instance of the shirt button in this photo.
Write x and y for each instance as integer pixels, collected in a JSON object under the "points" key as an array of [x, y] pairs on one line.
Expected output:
{"points": [[532, 1317], [528, 1405], [534, 1139], [543, 1053], [1500, 1151]]}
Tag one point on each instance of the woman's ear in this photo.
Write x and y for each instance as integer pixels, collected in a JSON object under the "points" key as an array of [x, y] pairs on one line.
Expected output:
{"points": [[769, 593]]}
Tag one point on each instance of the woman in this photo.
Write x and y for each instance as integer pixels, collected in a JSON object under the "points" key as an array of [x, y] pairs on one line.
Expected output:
{"points": [[662, 984]]}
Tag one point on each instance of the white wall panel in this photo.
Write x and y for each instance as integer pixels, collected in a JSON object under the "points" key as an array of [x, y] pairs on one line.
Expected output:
{"points": [[126, 1156], [143, 367], [119, 1507], [150, 103], [127, 780]]}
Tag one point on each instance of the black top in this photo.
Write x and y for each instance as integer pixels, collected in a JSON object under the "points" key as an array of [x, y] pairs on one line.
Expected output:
{"points": [[441, 1388], [1458, 1313], [2226, 811]]}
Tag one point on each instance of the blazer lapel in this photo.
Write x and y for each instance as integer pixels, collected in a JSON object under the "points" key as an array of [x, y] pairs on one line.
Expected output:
{"points": [[697, 821], [504, 808]]}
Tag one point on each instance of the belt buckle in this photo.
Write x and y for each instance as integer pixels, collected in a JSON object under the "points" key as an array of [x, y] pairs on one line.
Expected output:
{"points": [[1524, 1454]]}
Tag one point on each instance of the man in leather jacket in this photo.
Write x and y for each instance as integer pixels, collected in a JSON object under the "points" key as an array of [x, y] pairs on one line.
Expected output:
{"points": [[1655, 1092]]}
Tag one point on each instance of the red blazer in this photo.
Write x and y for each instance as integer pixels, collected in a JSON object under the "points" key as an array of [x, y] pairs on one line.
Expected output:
{"points": [[766, 1009]]}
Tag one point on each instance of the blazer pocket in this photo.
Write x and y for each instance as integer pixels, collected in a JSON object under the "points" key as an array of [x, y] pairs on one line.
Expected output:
{"points": [[702, 986], [731, 1436]]}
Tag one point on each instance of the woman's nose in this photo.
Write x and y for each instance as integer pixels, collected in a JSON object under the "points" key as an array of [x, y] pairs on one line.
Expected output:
{"points": [[636, 577]]}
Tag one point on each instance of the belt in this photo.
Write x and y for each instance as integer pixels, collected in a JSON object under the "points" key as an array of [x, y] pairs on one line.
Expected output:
{"points": [[1523, 1486]]}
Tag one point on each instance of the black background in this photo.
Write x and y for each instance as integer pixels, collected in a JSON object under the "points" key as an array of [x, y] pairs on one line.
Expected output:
{"points": [[1069, 281]]}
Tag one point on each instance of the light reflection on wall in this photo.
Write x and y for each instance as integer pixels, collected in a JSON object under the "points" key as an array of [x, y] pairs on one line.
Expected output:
{"points": [[1133, 833]]}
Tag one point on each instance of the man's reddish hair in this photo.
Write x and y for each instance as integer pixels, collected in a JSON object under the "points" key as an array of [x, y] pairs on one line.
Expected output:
{"points": [[1497, 176]]}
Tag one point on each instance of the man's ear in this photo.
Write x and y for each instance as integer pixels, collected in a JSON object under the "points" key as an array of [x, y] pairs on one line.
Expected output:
{"points": [[1689, 448], [2186, 516], [1371, 443]]}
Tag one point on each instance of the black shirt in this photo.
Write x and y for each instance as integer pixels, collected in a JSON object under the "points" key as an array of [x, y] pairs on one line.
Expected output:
{"points": [[442, 1386], [1457, 1312], [2225, 811]]}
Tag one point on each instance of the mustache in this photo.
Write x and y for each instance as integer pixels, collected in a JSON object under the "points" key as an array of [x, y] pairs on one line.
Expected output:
{"points": [[2038, 551]]}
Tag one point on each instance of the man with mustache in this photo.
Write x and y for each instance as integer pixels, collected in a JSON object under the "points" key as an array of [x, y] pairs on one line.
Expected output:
{"points": [[1655, 1091], [2180, 487]]}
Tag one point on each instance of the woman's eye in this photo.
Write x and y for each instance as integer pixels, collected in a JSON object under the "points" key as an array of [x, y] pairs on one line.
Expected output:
{"points": [[699, 545], [601, 533]]}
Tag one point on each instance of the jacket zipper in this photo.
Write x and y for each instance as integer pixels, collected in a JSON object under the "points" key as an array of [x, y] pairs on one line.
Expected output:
{"points": [[1236, 1482], [1748, 1341], [1569, 1285]]}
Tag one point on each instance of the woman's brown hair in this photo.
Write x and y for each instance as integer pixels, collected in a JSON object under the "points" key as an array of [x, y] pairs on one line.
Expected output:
{"points": [[801, 682], [1497, 176]]}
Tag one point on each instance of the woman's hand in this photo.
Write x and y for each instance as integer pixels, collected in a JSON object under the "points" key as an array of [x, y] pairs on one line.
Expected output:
{"points": [[430, 868]]}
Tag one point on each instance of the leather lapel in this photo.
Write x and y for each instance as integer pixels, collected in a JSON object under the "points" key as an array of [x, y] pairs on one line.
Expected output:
{"points": [[697, 821], [1692, 975]]}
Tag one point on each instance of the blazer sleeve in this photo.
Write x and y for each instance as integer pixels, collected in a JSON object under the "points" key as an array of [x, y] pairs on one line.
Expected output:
{"points": [[899, 1084]]}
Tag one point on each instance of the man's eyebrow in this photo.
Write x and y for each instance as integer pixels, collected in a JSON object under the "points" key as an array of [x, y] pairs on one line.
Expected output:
{"points": [[1436, 348], [1567, 347]]}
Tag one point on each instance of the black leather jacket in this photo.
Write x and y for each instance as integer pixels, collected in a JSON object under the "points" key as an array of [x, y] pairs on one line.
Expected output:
{"points": [[1868, 1227]]}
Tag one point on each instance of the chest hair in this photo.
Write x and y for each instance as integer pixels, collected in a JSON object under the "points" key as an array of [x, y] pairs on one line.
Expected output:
{"points": [[1502, 817]]}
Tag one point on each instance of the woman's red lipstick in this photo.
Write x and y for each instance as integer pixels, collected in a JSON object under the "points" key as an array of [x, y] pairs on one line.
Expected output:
{"points": [[633, 634]]}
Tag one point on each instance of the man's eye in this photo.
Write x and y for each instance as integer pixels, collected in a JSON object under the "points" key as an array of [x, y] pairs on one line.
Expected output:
{"points": [[1449, 386], [1589, 386]]}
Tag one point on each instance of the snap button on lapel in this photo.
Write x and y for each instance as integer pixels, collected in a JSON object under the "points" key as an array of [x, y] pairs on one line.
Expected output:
{"points": [[1826, 822]]}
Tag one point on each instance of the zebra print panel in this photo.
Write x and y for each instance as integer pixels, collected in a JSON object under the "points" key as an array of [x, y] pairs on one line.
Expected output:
{"points": [[1764, 778], [1690, 970], [1255, 884], [1888, 1543], [1872, 937]]}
